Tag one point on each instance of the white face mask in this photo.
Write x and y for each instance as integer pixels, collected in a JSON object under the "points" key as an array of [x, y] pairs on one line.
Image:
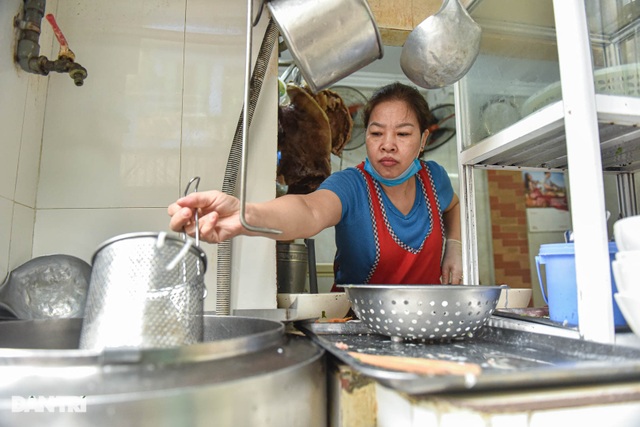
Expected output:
{"points": [[413, 169]]}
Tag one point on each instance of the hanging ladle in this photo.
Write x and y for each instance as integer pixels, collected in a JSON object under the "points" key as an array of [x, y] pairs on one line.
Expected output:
{"points": [[442, 48]]}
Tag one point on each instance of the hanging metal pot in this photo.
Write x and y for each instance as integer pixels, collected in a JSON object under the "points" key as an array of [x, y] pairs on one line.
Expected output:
{"points": [[442, 48], [327, 39]]}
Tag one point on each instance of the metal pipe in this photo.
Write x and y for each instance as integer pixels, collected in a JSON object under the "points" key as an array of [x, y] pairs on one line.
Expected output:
{"points": [[28, 49], [593, 269], [311, 260]]}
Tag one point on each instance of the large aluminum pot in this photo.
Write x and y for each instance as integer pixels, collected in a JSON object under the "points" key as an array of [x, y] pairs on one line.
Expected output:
{"points": [[328, 39], [246, 372]]}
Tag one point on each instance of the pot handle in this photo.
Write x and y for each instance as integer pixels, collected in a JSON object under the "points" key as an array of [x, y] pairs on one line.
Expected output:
{"points": [[540, 260], [195, 180]]}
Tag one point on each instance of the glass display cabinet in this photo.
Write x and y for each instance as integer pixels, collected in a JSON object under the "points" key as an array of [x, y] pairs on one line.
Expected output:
{"points": [[556, 87]]}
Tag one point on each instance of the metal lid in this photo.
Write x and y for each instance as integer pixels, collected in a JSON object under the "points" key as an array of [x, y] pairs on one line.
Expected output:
{"points": [[568, 248]]}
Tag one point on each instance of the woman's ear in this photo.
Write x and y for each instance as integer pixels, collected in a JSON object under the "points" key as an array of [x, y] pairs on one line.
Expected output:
{"points": [[423, 140]]}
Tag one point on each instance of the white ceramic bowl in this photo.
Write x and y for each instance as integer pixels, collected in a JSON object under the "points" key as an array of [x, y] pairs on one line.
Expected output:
{"points": [[514, 298], [316, 306], [628, 255], [626, 272], [627, 233], [630, 309]]}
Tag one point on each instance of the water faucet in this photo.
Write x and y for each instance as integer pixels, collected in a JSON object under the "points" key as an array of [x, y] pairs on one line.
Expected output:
{"points": [[62, 65], [28, 50]]}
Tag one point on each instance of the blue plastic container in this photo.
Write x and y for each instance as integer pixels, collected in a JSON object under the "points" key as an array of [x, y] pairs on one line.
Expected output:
{"points": [[561, 290]]}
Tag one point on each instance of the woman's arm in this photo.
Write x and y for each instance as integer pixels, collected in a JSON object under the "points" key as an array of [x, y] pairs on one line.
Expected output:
{"points": [[451, 218], [452, 260], [297, 216]]}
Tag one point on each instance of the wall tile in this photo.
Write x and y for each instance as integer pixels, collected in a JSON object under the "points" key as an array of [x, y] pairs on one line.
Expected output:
{"points": [[21, 235], [510, 242], [114, 142], [80, 232], [6, 215], [31, 141], [213, 87], [13, 87]]}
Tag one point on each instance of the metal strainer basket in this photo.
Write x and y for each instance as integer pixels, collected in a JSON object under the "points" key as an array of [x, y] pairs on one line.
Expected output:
{"points": [[428, 312], [146, 291]]}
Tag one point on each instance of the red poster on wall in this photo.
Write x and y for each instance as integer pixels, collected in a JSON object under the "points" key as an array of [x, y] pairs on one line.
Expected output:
{"points": [[546, 202], [545, 190]]}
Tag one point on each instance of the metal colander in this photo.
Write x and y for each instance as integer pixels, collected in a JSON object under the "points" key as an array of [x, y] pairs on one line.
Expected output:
{"points": [[423, 311], [146, 291]]}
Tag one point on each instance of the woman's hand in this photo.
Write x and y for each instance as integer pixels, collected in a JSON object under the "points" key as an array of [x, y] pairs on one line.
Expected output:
{"points": [[452, 263], [218, 215]]}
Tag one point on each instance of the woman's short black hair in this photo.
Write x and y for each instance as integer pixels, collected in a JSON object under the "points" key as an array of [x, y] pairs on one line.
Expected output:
{"points": [[401, 92]]}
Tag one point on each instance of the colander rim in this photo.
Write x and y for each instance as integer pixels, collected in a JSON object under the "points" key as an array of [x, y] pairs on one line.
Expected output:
{"points": [[434, 287], [151, 234]]}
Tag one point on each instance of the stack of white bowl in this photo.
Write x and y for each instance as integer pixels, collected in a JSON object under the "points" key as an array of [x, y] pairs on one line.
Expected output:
{"points": [[626, 269]]}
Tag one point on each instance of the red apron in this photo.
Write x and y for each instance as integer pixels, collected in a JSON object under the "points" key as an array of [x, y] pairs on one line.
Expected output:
{"points": [[402, 264]]}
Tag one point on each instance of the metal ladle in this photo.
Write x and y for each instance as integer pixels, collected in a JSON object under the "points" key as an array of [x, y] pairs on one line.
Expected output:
{"points": [[442, 48]]}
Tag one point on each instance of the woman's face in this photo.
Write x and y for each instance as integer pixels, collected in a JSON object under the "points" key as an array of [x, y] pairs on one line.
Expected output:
{"points": [[393, 138]]}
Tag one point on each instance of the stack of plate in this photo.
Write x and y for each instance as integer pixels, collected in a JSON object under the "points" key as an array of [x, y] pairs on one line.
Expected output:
{"points": [[618, 80]]}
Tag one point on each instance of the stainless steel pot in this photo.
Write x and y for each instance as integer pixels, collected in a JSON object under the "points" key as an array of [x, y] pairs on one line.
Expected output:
{"points": [[328, 39], [46, 287]]}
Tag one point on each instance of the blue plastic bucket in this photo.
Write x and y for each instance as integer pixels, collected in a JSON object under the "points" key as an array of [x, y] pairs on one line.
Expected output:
{"points": [[561, 291]]}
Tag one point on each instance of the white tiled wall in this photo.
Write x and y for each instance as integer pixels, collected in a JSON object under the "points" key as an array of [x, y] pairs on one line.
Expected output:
{"points": [[160, 105], [21, 118]]}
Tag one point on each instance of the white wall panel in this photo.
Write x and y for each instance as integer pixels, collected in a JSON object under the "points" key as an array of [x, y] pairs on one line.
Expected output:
{"points": [[21, 234], [6, 214], [79, 232], [13, 87], [114, 142]]}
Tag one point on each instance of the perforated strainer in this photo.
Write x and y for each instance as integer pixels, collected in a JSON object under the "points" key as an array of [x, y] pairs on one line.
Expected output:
{"points": [[146, 291], [423, 311]]}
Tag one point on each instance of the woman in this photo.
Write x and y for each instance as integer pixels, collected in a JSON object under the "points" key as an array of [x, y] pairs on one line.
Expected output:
{"points": [[392, 213]]}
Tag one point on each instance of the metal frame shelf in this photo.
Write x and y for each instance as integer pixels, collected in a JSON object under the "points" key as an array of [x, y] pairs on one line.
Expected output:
{"points": [[539, 140], [585, 134]]}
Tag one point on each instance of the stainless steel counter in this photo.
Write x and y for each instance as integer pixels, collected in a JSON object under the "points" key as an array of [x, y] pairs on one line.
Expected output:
{"points": [[509, 358]]}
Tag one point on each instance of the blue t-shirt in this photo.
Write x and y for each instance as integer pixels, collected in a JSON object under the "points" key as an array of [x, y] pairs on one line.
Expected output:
{"points": [[355, 243]]}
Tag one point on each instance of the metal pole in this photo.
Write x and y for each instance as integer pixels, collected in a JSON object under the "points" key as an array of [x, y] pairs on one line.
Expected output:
{"points": [[595, 306]]}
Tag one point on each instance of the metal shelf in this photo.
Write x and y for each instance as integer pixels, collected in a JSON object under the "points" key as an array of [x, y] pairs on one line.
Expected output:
{"points": [[538, 141], [594, 133]]}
